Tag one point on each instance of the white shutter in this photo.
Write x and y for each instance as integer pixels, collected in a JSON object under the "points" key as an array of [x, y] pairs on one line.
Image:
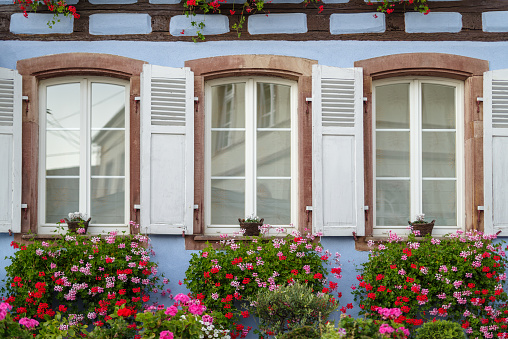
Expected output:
{"points": [[10, 150], [495, 151], [337, 151], [167, 150]]}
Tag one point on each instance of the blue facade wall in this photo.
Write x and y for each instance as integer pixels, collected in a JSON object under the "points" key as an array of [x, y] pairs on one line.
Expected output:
{"points": [[170, 250]]}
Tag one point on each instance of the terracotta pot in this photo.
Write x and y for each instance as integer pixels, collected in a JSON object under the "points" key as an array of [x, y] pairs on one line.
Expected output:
{"points": [[74, 225]]}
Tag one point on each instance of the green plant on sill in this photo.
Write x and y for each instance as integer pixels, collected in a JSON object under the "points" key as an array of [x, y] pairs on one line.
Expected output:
{"points": [[388, 6], [247, 8]]}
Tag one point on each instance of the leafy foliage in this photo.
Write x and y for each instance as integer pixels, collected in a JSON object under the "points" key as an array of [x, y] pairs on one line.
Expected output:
{"points": [[443, 329], [291, 306], [388, 6], [458, 278]]}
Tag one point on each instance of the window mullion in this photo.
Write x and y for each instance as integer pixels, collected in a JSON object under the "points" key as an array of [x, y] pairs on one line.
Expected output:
{"points": [[415, 149], [250, 148], [83, 169]]}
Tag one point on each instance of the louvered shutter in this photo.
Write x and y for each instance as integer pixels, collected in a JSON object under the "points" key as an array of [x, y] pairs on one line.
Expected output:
{"points": [[495, 151], [337, 151], [167, 150], [10, 150]]}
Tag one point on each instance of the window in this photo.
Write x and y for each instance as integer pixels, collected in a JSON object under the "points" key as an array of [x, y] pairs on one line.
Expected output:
{"points": [[84, 142], [418, 158], [250, 151]]}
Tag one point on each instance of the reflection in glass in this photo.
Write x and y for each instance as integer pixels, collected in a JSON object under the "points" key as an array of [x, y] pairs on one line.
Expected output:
{"points": [[227, 201], [63, 106], [440, 201], [62, 152], [273, 105], [108, 153], [392, 154], [392, 106], [229, 161], [107, 200], [438, 154], [438, 106], [274, 201], [108, 105], [274, 153], [392, 202], [62, 196], [228, 106]]}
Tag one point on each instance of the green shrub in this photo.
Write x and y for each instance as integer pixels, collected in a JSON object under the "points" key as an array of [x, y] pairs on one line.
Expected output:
{"points": [[305, 332], [459, 278], [442, 329], [290, 307], [224, 277], [351, 328]]}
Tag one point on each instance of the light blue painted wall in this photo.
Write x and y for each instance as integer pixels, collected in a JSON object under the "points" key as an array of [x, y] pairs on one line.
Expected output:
{"points": [[170, 251]]}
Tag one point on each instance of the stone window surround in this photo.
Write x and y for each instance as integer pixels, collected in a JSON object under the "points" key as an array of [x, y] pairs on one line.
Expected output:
{"points": [[457, 67], [71, 64], [292, 68]]}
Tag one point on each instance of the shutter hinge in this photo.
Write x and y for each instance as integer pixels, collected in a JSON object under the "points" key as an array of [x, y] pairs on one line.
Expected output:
{"points": [[137, 98], [308, 99], [366, 211], [480, 209], [196, 99], [24, 97], [196, 207], [137, 207], [478, 100], [308, 211], [23, 206], [364, 99]]}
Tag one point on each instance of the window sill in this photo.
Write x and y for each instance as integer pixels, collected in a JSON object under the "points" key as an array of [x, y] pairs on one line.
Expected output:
{"points": [[200, 241]]}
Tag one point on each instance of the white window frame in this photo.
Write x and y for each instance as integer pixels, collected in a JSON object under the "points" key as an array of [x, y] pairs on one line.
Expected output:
{"points": [[85, 153], [415, 152], [250, 137]]}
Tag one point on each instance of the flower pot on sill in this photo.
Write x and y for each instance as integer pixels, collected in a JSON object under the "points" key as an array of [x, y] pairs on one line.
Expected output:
{"points": [[74, 225], [251, 228], [424, 228]]}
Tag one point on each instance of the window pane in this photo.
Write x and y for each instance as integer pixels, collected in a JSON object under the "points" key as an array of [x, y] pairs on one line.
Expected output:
{"points": [[228, 106], [392, 106], [438, 154], [62, 153], [108, 201], [392, 202], [62, 197], [274, 154], [274, 201], [108, 105], [63, 106], [392, 154], [227, 201], [108, 152], [273, 105], [438, 106], [440, 202], [230, 160]]}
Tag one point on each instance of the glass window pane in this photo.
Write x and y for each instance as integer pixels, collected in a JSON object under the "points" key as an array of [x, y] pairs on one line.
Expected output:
{"points": [[108, 152], [227, 201], [440, 201], [392, 154], [392, 106], [273, 105], [228, 106], [274, 154], [228, 160], [108, 105], [438, 106], [108, 201], [63, 106], [274, 201], [62, 153], [392, 202], [438, 154], [62, 197]]}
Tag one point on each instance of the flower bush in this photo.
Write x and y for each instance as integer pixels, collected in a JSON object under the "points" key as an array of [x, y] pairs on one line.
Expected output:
{"points": [[291, 306], [80, 276], [388, 6], [56, 7], [237, 270], [458, 278], [443, 329]]}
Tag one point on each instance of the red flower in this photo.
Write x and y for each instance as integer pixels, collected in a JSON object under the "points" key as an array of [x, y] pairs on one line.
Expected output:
{"points": [[136, 289], [371, 296], [245, 314], [380, 277], [207, 274], [229, 276], [122, 291], [294, 272], [120, 302], [42, 274], [318, 276], [245, 281], [62, 308], [124, 312], [14, 244], [229, 315]]}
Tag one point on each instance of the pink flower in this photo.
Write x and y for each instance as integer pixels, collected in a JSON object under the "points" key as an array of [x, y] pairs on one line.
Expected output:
{"points": [[196, 309], [172, 310], [182, 297], [166, 335]]}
